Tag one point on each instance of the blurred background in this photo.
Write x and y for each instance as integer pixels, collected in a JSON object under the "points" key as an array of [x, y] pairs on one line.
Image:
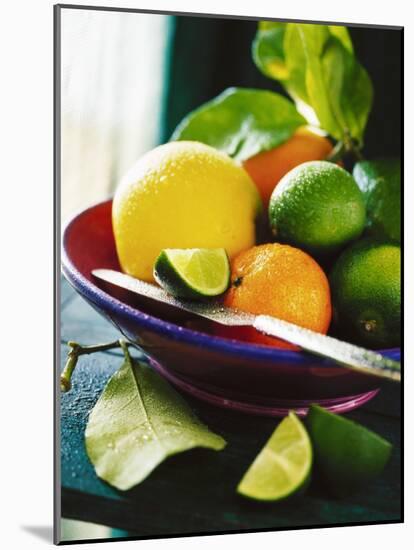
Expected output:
{"points": [[129, 78]]}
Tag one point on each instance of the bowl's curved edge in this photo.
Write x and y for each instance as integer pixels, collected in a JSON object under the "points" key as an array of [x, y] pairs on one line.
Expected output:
{"points": [[279, 407], [107, 302]]}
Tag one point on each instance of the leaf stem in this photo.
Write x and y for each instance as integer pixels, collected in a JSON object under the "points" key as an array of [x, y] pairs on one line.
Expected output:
{"points": [[357, 152], [337, 152], [352, 146], [124, 346], [345, 147], [66, 375], [76, 350]]}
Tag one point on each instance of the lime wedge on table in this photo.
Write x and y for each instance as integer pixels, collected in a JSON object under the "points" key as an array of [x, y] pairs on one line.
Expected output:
{"points": [[282, 466], [347, 454], [193, 272]]}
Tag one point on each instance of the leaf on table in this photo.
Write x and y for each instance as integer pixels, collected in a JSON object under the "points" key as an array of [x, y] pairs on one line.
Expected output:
{"points": [[241, 122], [317, 67], [138, 422]]}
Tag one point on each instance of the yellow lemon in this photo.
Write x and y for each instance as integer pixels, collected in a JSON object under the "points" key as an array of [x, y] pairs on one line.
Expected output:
{"points": [[182, 195]]}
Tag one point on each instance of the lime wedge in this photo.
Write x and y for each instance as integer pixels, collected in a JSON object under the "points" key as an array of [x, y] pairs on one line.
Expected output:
{"points": [[283, 465], [347, 454], [193, 272]]}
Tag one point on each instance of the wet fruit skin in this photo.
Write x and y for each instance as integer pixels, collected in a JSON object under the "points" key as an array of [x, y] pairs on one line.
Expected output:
{"points": [[282, 281], [194, 274], [182, 195], [366, 293], [267, 168], [317, 207]]}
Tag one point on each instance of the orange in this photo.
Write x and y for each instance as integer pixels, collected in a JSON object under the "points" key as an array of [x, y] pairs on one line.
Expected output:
{"points": [[279, 280], [268, 167]]}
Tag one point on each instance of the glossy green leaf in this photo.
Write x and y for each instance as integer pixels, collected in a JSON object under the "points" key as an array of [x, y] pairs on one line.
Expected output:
{"points": [[380, 183], [339, 89], [356, 97], [322, 97], [268, 52], [138, 422], [242, 122], [296, 63], [317, 66], [267, 25], [342, 34]]}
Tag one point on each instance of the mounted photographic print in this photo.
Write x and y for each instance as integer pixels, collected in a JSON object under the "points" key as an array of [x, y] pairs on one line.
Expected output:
{"points": [[229, 225]]}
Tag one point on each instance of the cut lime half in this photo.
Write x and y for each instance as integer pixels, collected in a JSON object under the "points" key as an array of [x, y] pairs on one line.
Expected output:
{"points": [[193, 272], [347, 454], [283, 465]]}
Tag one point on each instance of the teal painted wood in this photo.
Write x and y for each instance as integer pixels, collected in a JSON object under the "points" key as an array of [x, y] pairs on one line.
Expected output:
{"points": [[195, 492]]}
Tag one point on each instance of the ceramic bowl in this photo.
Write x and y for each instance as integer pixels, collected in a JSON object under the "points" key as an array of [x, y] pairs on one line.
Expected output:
{"points": [[255, 379]]}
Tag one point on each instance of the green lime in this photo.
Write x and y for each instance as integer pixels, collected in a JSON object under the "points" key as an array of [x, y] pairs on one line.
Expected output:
{"points": [[380, 182], [347, 454], [193, 272], [283, 465], [366, 293], [318, 207]]}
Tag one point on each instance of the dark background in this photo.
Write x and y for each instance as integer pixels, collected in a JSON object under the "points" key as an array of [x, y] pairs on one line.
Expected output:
{"points": [[211, 54]]}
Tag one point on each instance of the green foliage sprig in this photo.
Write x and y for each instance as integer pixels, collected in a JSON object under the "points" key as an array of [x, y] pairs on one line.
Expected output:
{"points": [[317, 66]]}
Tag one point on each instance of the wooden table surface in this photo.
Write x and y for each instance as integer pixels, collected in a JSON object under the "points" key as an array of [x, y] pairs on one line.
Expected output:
{"points": [[194, 492]]}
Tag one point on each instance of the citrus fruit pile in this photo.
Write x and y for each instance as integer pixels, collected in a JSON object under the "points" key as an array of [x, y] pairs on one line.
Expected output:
{"points": [[187, 216]]}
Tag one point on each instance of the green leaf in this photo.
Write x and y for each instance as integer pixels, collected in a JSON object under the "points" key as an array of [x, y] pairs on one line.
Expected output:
{"points": [[296, 64], [342, 34], [267, 25], [241, 122], [138, 422], [268, 53], [317, 66], [339, 89], [318, 75], [380, 183], [356, 97]]}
